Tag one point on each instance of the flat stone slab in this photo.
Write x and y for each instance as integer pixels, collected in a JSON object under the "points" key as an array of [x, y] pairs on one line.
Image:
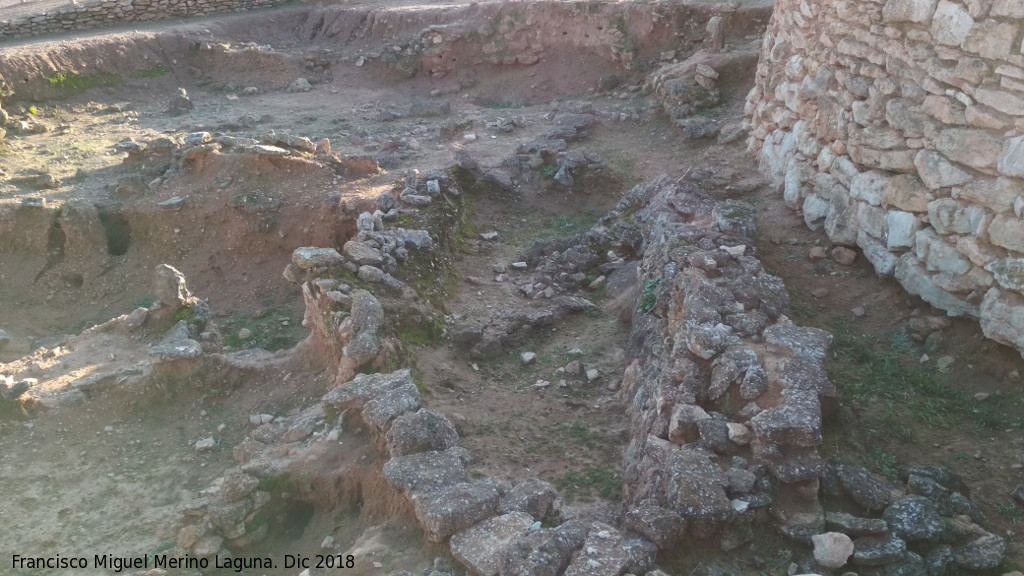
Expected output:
{"points": [[481, 547]]}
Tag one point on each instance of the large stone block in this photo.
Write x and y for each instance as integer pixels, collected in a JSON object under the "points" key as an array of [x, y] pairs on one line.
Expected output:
{"points": [[1007, 230], [902, 227], [871, 220], [876, 253], [911, 274], [949, 216], [938, 254], [481, 548], [1008, 272], [1001, 100], [815, 211], [907, 192], [996, 194], [1002, 317], [1011, 158], [951, 23], [908, 10], [870, 186], [841, 221], [991, 39], [974, 148], [1010, 8], [938, 172]]}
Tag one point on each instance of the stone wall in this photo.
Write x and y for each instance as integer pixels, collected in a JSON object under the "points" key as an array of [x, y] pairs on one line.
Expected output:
{"points": [[111, 12], [898, 126]]}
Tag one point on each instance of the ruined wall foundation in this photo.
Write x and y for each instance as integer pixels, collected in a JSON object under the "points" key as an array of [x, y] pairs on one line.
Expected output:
{"points": [[898, 126]]}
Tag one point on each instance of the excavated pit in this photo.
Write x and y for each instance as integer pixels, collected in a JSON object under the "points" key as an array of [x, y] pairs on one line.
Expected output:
{"points": [[222, 147]]}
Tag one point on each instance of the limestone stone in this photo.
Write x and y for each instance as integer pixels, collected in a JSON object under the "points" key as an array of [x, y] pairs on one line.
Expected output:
{"points": [[938, 254], [974, 148], [421, 431], [878, 550], [883, 261], [535, 497], [871, 220], [1011, 158], [906, 192], [1008, 272], [481, 547], [908, 10], [870, 186], [950, 23], [1002, 317], [455, 508], [1007, 230], [663, 527], [949, 216], [982, 553], [991, 39], [362, 253], [1010, 8], [169, 286], [815, 211], [832, 549], [914, 518], [983, 118], [902, 228], [979, 254], [854, 526], [797, 422], [912, 275], [937, 172], [996, 194], [841, 221], [1001, 100], [902, 115], [310, 257], [603, 553], [427, 471], [683, 427]]}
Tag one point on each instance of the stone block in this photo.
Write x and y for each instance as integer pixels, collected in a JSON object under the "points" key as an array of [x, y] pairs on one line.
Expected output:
{"points": [[883, 261], [871, 220], [991, 39], [906, 192], [815, 211], [950, 23], [996, 194], [908, 10], [1001, 100], [1007, 230], [911, 274], [455, 508], [1011, 158], [870, 186], [902, 227], [949, 216], [974, 148], [1008, 272], [481, 547], [938, 172]]}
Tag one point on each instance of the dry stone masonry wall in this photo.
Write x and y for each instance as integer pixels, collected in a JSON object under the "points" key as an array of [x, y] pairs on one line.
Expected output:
{"points": [[109, 12], [898, 126]]}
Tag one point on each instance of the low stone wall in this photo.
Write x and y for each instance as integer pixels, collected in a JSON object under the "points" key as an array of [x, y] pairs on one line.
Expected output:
{"points": [[896, 126], [112, 12]]}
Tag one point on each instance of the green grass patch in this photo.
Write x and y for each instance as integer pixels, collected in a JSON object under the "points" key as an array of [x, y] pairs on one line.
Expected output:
{"points": [[267, 329], [868, 370], [72, 83], [601, 480], [577, 431], [157, 70], [649, 296]]}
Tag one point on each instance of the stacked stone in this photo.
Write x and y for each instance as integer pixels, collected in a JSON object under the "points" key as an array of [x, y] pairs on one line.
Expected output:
{"points": [[896, 126], [108, 12], [726, 396]]}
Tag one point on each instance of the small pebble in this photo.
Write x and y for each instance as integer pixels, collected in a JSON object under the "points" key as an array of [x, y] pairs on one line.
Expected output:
{"points": [[817, 253], [528, 357], [982, 396], [819, 292], [858, 311]]}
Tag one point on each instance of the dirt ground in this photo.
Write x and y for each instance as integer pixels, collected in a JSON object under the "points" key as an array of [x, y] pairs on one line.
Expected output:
{"points": [[99, 472]]}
